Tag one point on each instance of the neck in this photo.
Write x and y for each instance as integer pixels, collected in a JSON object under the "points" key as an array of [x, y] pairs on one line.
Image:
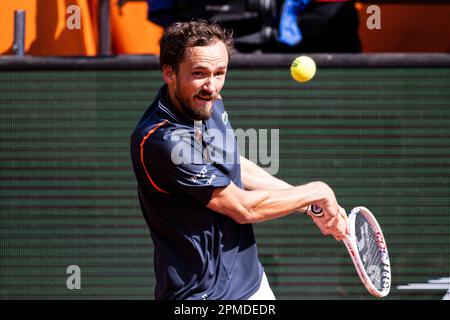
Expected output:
{"points": [[176, 105], [173, 101]]}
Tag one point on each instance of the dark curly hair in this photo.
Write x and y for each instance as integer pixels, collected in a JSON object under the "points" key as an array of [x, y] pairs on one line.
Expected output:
{"points": [[181, 35]]}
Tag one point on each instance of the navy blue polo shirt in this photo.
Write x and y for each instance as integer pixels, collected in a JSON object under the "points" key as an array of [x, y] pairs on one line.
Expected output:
{"points": [[198, 253]]}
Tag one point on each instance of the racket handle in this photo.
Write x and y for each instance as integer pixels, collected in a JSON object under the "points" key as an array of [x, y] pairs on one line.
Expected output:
{"points": [[316, 210]]}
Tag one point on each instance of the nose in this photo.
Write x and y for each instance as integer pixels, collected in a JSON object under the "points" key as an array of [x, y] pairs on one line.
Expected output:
{"points": [[209, 85]]}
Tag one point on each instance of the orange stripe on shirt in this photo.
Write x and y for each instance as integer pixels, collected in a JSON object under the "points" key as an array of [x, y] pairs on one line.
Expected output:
{"points": [[142, 156]]}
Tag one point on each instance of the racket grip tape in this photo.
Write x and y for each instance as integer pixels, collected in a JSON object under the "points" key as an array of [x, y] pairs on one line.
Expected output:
{"points": [[316, 210]]}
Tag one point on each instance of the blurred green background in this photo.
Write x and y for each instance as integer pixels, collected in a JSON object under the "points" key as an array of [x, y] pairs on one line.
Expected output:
{"points": [[380, 137]]}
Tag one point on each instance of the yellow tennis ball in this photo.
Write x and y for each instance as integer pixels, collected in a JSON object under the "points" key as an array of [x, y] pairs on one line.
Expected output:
{"points": [[303, 69]]}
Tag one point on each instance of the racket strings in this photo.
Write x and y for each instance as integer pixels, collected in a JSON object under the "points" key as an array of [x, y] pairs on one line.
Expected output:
{"points": [[369, 251]]}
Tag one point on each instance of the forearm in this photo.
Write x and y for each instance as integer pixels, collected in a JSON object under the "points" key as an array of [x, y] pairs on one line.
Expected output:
{"points": [[256, 178], [273, 204], [262, 205]]}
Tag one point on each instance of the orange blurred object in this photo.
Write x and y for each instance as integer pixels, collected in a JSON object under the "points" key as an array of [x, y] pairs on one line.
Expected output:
{"points": [[132, 32], [404, 28], [46, 27], [407, 28]]}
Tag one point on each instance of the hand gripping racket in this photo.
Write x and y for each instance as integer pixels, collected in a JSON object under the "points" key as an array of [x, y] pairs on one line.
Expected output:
{"points": [[366, 245]]}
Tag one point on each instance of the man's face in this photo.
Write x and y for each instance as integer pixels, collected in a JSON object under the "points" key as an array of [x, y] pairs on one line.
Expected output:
{"points": [[199, 80]]}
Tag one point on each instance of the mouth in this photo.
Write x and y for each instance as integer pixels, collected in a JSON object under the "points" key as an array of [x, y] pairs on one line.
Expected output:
{"points": [[204, 98]]}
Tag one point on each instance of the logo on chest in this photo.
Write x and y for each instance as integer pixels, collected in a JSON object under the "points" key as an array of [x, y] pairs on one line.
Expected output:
{"points": [[225, 117]]}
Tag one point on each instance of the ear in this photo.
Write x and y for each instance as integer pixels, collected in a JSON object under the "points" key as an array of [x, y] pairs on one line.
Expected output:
{"points": [[168, 74]]}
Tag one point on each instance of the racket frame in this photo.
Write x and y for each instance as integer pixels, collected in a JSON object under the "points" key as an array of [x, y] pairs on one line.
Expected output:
{"points": [[350, 244]]}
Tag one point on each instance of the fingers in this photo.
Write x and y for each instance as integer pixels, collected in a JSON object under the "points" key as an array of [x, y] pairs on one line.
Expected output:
{"points": [[336, 226], [343, 213], [340, 227]]}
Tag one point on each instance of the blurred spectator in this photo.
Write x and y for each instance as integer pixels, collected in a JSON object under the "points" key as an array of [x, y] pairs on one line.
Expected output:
{"points": [[253, 21], [322, 26], [273, 25]]}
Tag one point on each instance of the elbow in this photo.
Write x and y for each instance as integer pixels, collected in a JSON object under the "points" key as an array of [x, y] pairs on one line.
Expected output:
{"points": [[322, 189], [242, 220], [242, 216]]}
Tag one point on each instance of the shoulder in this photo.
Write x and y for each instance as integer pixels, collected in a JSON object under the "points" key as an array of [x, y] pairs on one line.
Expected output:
{"points": [[165, 140], [163, 133]]}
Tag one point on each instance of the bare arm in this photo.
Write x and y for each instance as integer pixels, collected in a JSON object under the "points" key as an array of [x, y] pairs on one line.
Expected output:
{"points": [[256, 178], [267, 197], [261, 205]]}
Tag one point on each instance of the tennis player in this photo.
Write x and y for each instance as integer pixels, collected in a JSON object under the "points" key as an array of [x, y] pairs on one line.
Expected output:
{"points": [[198, 195]]}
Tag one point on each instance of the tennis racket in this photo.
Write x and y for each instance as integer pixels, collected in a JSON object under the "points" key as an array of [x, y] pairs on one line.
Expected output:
{"points": [[366, 245]]}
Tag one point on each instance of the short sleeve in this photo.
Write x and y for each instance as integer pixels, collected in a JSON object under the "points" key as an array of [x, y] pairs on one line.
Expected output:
{"points": [[187, 174]]}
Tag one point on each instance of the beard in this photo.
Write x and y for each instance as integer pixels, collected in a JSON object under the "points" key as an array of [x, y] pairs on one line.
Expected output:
{"points": [[199, 113]]}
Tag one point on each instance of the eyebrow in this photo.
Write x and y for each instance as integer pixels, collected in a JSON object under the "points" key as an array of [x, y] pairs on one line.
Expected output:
{"points": [[223, 66]]}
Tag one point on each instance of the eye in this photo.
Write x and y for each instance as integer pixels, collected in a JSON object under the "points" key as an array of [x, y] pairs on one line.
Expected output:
{"points": [[197, 74]]}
